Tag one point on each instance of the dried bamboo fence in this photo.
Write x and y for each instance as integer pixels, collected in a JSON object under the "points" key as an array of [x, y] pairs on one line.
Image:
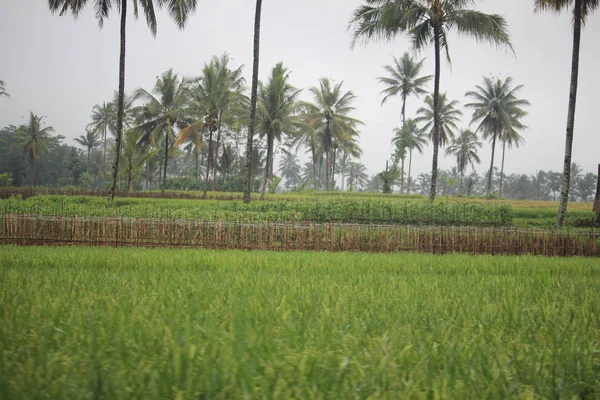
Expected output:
{"points": [[110, 231]]}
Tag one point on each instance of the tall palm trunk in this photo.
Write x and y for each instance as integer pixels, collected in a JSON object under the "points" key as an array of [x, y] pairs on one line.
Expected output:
{"points": [[402, 176], [104, 158], [120, 100], [436, 115], [164, 182], [216, 152], [564, 193], [268, 166], [129, 178], [327, 150], [597, 199], [403, 109], [333, 169], [253, 97], [502, 168], [197, 166], [208, 163], [491, 173], [409, 168]]}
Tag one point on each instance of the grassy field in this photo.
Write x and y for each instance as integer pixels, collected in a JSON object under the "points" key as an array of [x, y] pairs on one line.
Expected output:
{"points": [[525, 214], [131, 323]]}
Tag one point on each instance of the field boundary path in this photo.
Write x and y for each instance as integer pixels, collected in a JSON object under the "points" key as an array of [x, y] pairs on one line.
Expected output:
{"points": [[146, 232]]}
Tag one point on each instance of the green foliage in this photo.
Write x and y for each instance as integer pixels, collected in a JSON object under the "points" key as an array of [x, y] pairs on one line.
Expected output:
{"points": [[6, 179], [133, 323], [367, 211]]}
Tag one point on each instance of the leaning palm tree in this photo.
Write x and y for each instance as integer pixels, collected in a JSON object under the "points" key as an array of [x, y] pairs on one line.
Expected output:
{"points": [[498, 111], [403, 80], [330, 114], [33, 141], [465, 148], [428, 22], [161, 113], [582, 9], [3, 91], [253, 100], [88, 142], [277, 109], [179, 10]]}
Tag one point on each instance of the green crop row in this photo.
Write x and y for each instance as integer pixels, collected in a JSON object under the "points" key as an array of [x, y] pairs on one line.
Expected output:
{"points": [[366, 211], [182, 324]]}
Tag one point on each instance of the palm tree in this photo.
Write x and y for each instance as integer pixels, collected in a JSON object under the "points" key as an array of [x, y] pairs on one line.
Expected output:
{"points": [[407, 138], [253, 99], [33, 140], [582, 9], [88, 141], [133, 158], [160, 114], [428, 22], [214, 99], [498, 111], [289, 168], [179, 10], [415, 139], [357, 176], [102, 122], [3, 91], [448, 117], [510, 138], [464, 148], [277, 108], [403, 80], [330, 114]]}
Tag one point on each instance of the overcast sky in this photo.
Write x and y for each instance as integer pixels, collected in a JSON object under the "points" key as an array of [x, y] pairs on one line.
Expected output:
{"points": [[60, 68]]}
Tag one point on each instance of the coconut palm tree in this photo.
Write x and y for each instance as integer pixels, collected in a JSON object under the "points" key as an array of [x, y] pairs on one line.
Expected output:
{"points": [[215, 96], [428, 22], [509, 138], [102, 122], [403, 80], [33, 140], [465, 148], [357, 176], [582, 9], [498, 111], [277, 109], [88, 141], [3, 91], [160, 114], [405, 139], [289, 168], [448, 117], [133, 157], [179, 10], [330, 114], [253, 100], [415, 139]]}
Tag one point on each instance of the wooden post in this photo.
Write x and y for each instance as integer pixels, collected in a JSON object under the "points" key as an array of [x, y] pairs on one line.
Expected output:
{"points": [[597, 199]]}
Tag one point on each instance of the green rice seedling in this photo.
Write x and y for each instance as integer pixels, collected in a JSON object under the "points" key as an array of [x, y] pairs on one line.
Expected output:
{"points": [[133, 323]]}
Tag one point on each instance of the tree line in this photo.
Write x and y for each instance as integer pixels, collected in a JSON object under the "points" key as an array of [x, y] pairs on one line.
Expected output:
{"points": [[425, 22]]}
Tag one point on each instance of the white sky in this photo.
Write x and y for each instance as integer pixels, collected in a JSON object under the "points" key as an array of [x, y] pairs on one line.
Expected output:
{"points": [[60, 67]]}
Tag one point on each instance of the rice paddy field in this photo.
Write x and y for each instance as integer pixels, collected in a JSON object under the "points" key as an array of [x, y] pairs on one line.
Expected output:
{"points": [[82, 323]]}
